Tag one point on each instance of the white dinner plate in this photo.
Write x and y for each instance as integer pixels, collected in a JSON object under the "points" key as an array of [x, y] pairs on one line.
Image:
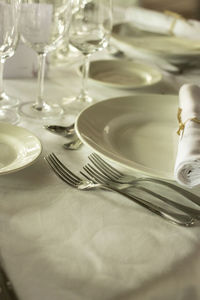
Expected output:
{"points": [[173, 49], [19, 148], [137, 132], [123, 74]]}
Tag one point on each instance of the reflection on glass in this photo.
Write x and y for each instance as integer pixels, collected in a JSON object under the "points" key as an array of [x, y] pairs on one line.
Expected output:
{"points": [[89, 32], [65, 53], [44, 24], [9, 18]]}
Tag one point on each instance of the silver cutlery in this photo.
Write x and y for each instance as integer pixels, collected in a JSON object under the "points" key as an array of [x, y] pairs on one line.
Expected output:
{"points": [[117, 176], [89, 183], [65, 131], [103, 178], [73, 145]]}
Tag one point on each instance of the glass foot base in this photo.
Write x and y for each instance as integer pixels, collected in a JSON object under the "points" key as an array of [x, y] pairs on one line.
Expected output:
{"points": [[45, 112], [76, 104], [7, 101], [9, 116]]}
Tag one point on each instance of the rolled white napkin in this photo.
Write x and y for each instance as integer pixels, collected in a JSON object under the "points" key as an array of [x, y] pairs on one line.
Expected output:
{"points": [[187, 165], [158, 22]]}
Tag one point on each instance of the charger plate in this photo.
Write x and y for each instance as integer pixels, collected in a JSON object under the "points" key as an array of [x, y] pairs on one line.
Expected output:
{"points": [[19, 148], [137, 132], [123, 74]]}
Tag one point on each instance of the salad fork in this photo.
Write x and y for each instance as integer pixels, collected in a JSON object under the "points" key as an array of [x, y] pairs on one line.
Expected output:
{"points": [[115, 175], [90, 183]]}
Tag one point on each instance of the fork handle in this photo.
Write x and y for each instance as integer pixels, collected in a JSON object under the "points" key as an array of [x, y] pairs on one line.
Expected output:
{"points": [[180, 219], [186, 194]]}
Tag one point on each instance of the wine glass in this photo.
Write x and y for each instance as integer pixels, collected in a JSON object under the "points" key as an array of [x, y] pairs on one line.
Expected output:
{"points": [[90, 30], [65, 53], [43, 26], [9, 19]]}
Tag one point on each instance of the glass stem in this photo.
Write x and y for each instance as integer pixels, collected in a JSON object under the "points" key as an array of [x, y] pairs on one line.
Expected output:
{"points": [[85, 72], [2, 61], [41, 72]]}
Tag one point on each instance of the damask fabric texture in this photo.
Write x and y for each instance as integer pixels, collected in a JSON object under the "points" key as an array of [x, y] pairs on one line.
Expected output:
{"points": [[153, 21], [187, 166], [62, 244]]}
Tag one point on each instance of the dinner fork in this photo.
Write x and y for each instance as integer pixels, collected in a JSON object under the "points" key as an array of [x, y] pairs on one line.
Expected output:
{"points": [[89, 183], [117, 176], [102, 178]]}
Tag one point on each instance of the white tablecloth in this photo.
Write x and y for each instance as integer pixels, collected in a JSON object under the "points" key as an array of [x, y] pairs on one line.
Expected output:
{"points": [[62, 244]]}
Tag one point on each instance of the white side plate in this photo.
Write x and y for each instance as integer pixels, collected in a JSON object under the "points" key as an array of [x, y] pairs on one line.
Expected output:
{"points": [[18, 148], [137, 132]]}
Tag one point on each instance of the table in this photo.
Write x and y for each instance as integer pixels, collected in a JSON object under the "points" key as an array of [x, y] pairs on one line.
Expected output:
{"points": [[59, 243]]}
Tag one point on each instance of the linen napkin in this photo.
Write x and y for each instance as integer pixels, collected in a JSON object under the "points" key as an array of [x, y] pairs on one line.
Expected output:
{"points": [[158, 22], [187, 165]]}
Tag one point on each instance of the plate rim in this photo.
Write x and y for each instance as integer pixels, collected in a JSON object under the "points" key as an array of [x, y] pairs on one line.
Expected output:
{"points": [[169, 56], [147, 171], [121, 86], [33, 160]]}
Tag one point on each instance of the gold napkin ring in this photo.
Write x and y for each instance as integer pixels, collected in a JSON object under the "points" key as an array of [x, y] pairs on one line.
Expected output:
{"points": [[173, 23], [181, 124]]}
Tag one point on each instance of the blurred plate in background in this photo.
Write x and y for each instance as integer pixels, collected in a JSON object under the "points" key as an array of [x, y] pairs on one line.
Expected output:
{"points": [[170, 48], [124, 74]]}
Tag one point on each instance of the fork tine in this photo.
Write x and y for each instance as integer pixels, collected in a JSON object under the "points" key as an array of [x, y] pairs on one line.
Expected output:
{"points": [[104, 169], [107, 167], [94, 173], [58, 172], [64, 171], [88, 177], [70, 173], [101, 175]]}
